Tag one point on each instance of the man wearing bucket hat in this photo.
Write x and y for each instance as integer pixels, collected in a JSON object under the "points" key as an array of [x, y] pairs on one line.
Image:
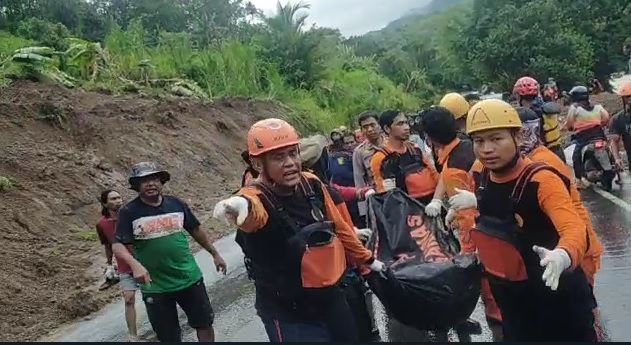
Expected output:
{"points": [[163, 264]]}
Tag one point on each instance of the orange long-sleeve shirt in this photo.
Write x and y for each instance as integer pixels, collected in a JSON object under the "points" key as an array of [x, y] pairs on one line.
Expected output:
{"points": [[591, 262], [555, 201], [456, 160], [258, 217], [420, 185]]}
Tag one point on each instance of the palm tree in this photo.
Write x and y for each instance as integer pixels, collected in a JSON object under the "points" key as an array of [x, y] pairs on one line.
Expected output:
{"points": [[287, 19]]}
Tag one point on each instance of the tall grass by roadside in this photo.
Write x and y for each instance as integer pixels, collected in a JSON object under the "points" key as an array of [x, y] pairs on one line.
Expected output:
{"points": [[234, 68]]}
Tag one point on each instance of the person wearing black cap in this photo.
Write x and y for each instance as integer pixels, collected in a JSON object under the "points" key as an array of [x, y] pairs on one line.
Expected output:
{"points": [[155, 225]]}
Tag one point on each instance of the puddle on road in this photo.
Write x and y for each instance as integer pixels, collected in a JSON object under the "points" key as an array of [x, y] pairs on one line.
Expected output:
{"points": [[613, 225]]}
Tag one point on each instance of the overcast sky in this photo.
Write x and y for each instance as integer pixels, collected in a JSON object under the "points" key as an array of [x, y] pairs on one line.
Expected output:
{"points": [[352, 17]]}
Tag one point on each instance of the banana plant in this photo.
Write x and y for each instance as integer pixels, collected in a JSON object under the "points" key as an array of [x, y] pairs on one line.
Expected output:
{"points": [[38, 63], [188, 88], [90, 57], [147, 70]]}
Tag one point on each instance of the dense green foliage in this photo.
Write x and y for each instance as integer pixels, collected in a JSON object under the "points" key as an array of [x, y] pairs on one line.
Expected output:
{"points": [[197, 48], [214, 48], [497, 41]]}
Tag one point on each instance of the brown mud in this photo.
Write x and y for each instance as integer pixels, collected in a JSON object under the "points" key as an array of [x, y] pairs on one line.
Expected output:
{"points": [[59, 149]]}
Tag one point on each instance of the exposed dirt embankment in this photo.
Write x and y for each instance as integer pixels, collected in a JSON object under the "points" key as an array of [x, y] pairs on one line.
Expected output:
{"points": [[59, 150], [611, 102]]}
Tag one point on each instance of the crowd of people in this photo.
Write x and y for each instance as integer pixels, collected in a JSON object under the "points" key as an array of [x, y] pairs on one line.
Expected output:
{"points": [[494, 172]]}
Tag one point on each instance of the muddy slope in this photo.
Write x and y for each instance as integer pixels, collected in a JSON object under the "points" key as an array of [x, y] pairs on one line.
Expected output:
{"points": [[609, 101], [60, 149]]}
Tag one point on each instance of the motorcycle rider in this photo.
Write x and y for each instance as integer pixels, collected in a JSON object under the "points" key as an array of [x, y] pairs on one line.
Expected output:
{"points": [[587, 121], [533, 148], [527, 91], [527, 234], [400, 163], [298, 293], [620, 127]]}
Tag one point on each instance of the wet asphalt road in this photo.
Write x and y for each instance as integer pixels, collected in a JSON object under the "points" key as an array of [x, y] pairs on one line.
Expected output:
{"points": [[236, 320]]}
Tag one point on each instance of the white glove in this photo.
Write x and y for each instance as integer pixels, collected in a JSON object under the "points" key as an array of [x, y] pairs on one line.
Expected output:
{"points": [[449, 218], [363, 234], [389, 184], [377, 266], [110, 272], [233, 210], [369, 193], [463, 199], [555, 261], [434, 207]]}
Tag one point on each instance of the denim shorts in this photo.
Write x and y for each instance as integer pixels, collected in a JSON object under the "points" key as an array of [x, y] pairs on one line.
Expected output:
{"points": [[128, 283]]}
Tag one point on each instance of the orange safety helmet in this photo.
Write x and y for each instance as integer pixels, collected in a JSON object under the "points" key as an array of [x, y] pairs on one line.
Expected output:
{"points": [[624, 90], [271, 134]]}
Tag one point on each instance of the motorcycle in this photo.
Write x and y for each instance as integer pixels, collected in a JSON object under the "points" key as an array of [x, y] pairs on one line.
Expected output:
{"points": [[598, 163]]}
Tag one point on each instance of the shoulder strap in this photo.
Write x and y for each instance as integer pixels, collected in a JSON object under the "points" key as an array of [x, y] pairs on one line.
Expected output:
{"points": [[527, 174], [307, 189], [383, 150], [416, 152], [271, 199], [484, 179]]}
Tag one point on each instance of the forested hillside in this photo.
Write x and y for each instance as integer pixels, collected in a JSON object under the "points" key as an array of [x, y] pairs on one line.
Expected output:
{"points": [[113, 82], [209, 49], [201, 48], [497, 41]]}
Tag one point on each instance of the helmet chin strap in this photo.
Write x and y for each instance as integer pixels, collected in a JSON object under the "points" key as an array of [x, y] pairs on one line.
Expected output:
{"points": [[512, 163]]}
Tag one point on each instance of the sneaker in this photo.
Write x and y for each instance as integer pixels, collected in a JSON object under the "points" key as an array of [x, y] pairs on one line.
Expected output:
{"points": [[469, 326], [108, 283]]}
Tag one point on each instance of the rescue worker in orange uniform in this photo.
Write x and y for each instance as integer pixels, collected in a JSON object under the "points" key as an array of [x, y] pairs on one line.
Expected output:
{"points": [[456, 157], [400, 163], [528, 234], [296, 241], [459, 107], [533, 148]]}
